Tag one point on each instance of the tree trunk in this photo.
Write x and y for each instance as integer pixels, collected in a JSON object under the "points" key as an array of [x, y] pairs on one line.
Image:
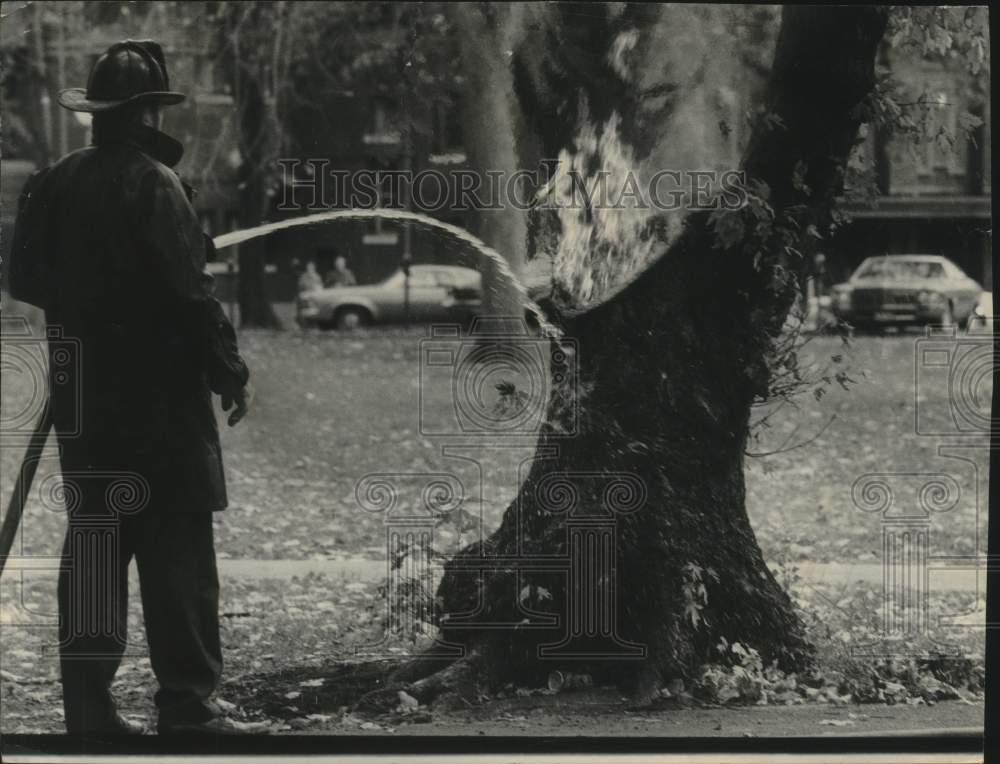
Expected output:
{"points": [[623, 523], [240, 27], [41, 81], [255, 306], [489, 132]]}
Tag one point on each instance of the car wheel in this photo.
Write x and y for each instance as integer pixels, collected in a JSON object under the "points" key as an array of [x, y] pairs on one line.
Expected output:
{"points": [[970, 321], [948, 315], [351, 318]]}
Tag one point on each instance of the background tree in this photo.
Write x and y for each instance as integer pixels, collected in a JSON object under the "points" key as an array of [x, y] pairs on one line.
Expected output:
{"points": [[495, 140], [255, 43], [283, 62], [34, 66]]}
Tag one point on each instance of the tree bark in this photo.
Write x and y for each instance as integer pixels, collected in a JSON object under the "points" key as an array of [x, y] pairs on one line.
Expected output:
{"points": [[241, 28], [41, 80], [667, 371], [255, 305], [490, 129]]}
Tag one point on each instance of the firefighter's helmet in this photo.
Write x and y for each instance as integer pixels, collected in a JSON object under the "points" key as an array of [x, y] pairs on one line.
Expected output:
{"points": [[129, 72]]}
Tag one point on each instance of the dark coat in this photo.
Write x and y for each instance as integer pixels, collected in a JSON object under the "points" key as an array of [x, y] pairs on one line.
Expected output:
{"points": [[107, 242]]}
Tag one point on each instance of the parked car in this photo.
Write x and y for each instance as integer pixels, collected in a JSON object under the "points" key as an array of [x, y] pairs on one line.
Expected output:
{"points": [[906, 289], [982, 315], [437, 293]]}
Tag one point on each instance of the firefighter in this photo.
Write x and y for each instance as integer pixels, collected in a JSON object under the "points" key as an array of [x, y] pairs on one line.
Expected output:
{"points": [[108, 244]]}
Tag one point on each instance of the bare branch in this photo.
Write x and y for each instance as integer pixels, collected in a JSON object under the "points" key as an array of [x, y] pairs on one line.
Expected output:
{"points": [[783, 449]]}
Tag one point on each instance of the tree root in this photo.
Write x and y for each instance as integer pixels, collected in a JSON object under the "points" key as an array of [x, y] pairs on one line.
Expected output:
{"points": [[646, 687], [459, 677], [418, 668], [425, 678]]}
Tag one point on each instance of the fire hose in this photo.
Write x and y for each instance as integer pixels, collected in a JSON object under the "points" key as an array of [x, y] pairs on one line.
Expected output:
{"points": [[15, 507]]}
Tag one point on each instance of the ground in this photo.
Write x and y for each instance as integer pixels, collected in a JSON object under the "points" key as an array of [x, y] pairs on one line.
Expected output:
{"points": [[331, 409]]}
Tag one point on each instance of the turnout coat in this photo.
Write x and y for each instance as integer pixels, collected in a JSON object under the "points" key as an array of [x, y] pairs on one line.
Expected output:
{"points": [[107, 242]]}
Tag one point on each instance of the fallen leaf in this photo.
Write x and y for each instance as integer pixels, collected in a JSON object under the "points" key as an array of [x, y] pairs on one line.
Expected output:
{"points": [[407, 701]]}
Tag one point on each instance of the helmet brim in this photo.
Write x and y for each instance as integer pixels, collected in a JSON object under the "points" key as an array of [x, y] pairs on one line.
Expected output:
{"points": [[75, 99]]}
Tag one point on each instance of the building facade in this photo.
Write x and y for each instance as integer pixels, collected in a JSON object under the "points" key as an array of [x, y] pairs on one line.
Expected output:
{"points": [[934, 189]]}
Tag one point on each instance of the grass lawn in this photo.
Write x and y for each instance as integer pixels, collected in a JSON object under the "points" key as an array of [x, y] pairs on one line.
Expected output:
{"points": [[331, 409]]}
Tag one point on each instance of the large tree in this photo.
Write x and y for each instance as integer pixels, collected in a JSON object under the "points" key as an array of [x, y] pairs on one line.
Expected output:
{"points": [[669, 362]]}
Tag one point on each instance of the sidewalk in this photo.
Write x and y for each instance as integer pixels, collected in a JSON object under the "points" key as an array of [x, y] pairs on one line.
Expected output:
{"points": [[945, 575], [572, 716]]}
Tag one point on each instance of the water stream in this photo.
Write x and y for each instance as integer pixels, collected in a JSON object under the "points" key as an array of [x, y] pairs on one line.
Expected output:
{"points": [[503, 268]]}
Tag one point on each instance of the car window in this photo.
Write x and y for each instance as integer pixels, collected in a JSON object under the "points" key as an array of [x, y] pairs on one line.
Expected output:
{"points": [[952, 271], [444, 278], [900, 269], [421, 277]]}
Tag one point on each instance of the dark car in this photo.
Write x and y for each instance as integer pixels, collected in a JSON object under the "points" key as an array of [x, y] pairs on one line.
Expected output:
{"points": [[900, 290]]}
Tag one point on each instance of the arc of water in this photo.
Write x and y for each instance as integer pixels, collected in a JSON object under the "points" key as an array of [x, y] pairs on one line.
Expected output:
{"points": [[237, 237]]}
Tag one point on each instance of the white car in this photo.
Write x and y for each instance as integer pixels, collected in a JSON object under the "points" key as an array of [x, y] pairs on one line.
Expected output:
{"points": [[436, 293], [906, 289], [982, 314]]}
